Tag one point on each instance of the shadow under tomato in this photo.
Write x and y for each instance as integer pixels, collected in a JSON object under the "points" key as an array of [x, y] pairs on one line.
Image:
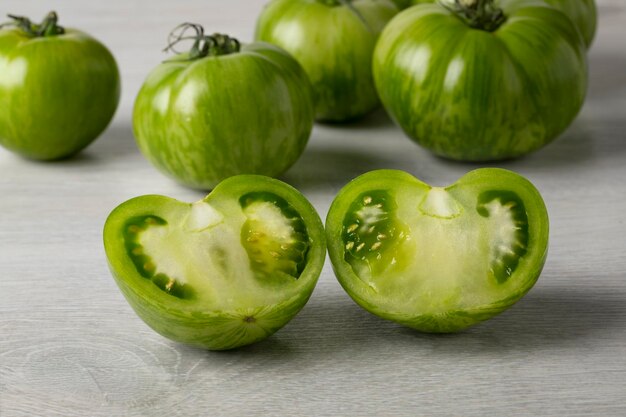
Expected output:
{"points": [[330, 325], [324, 168], [588, 144], [117, 142], [570, 150], [333, 330], [114, 144], [377, 118], [544, 319]]}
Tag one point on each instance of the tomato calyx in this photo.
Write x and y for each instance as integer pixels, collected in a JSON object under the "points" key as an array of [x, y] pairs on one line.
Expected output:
{"points": [[203, 45], [478, 14], [48, 27]]}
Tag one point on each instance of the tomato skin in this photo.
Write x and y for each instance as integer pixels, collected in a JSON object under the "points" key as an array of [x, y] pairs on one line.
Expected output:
{"points": [[450, 315], [472, 95], [584, 13], [335, 48], [208, 119], [241, 318], [57, 93]]}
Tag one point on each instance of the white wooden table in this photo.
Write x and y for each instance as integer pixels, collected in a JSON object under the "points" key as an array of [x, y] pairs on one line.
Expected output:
{"points": [[71, 346]]}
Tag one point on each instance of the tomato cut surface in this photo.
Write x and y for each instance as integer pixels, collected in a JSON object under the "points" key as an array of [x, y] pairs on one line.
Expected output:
{"points": [[438, 259], [224, 272], [275, 237]]}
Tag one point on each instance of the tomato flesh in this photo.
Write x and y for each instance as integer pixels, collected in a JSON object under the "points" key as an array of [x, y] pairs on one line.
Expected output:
{"points": [[274, 237], [247, 259], [437, 258]]}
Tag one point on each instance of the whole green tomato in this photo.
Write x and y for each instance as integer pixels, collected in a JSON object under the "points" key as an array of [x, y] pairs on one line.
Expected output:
{"points": [[333, 40], [59, 88], [583, 13], [224, 272], [224, 109], [481, 82], [438, 259]]}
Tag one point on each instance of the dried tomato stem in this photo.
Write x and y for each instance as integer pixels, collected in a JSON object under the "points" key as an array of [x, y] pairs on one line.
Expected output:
{"points": [[203, 45]]}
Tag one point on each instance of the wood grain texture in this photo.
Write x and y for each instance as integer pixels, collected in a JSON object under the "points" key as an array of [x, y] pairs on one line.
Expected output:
{"points": [[71, 346]]}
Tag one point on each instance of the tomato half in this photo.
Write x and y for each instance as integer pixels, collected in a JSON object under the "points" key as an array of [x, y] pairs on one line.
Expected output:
{"points": [[584, 13], [333, 40], [438, 259], [481, 85], [224, 109], [221, 273], [59, 88]]}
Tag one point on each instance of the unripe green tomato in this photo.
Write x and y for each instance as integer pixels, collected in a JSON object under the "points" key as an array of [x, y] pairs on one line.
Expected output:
{"points": [[333, 41], [223, 272], [59, 89], [437, 259], [482, 93], [202, 119]]}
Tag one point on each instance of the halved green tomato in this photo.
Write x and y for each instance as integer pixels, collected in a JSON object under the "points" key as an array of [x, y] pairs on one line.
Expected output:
{"points": [[220, 273], [438, 259]]}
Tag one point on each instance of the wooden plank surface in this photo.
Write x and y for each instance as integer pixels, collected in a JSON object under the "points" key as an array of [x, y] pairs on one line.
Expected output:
{"points": [[71, 346]]}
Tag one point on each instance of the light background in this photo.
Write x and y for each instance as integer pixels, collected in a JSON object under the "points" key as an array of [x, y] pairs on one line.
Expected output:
{"points": [[71, 346]]}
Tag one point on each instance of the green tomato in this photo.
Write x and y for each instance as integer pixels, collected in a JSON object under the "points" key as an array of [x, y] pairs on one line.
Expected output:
{"points": [[334, 41], [59, 89], [481, 86], [224, 109], [227, 271], [583, 13], [437, 259]]}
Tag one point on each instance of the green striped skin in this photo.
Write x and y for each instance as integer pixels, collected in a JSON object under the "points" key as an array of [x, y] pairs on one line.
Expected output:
{"points": [[57, 93], [224, 303], [472, 95], [335, 48], [583, 13], [201, 121], [445, 258]]}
